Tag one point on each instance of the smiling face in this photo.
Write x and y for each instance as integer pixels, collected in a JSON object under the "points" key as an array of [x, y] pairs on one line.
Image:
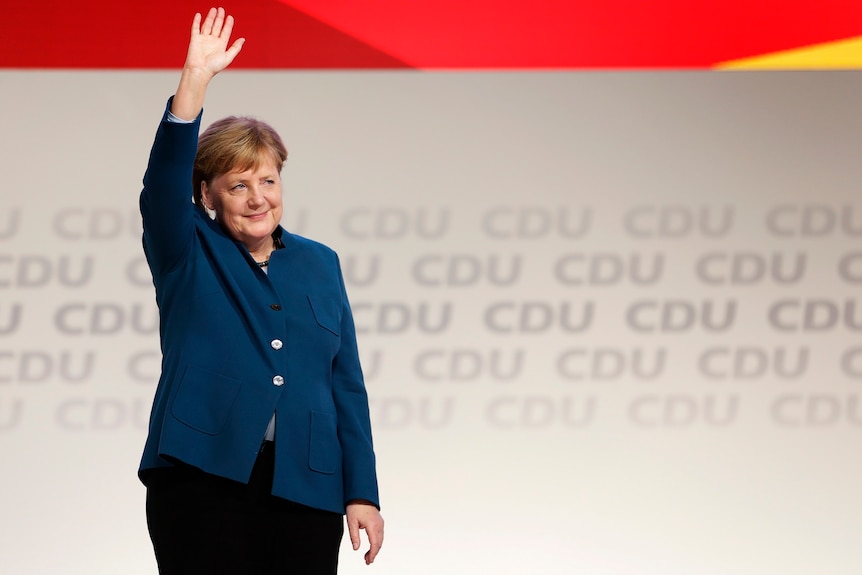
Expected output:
{"points": [[237, 174], [248, 205]]}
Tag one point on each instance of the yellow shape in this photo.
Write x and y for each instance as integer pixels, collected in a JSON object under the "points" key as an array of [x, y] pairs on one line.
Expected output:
{"points": [[843, 54]]}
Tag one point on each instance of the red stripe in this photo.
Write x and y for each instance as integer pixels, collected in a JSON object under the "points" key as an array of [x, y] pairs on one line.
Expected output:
{"points": [[565, 33], [155, 35], [426, 34]]}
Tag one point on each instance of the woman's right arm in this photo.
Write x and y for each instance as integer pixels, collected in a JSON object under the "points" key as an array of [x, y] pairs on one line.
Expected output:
{"points": [[207, 56], [166, 198]]}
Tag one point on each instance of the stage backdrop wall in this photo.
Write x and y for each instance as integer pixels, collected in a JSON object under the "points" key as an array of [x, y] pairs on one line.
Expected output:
{"points": [[609, 322]]}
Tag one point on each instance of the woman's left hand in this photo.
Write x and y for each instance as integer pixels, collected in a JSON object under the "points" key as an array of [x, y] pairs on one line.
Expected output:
{"points": [[363, 515]]}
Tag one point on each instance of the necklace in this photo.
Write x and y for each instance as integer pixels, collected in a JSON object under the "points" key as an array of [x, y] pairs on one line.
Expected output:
{"points": [[276, 244]]}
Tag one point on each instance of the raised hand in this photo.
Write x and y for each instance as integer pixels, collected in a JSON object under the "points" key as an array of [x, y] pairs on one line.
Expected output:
{"points": [[208, 47], [208, 55]]}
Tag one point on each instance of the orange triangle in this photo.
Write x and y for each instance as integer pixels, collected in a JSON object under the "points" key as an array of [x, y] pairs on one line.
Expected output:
{"points": [[840, 55]]}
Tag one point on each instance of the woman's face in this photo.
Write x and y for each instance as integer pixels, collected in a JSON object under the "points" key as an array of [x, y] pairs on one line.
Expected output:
{"points": [[247, 204]]}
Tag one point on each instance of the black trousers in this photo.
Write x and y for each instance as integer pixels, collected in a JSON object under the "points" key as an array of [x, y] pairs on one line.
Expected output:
{"points": [[204, 524]]}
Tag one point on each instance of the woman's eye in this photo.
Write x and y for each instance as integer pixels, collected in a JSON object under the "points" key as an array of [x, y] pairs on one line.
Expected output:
{"points": [[238, 188]]}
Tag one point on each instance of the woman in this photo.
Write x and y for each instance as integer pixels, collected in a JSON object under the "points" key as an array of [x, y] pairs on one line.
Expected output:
{"points": [[259, 436]]}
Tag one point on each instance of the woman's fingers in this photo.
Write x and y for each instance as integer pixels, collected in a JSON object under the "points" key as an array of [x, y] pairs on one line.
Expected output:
{"points": [[196, 24], [227, 29], [211, 19], [216, 24]]}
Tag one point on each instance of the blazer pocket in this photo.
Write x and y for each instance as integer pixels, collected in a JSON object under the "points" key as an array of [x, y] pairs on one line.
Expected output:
{"points": [[204, 399], [324, 451], [326, 313]]}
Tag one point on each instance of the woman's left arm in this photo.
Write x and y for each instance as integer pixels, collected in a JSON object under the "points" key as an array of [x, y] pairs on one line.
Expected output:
{"points": [[354, 434]]}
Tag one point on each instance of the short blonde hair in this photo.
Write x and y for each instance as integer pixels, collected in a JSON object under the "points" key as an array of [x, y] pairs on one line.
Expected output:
{"points": [[235, 143]]}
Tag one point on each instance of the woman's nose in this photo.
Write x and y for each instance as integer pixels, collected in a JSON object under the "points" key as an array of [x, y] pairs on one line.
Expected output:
{"points": [[255, 195]]}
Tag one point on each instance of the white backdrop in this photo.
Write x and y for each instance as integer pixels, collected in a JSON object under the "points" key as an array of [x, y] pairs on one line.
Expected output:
{"points": [[609, 321]]}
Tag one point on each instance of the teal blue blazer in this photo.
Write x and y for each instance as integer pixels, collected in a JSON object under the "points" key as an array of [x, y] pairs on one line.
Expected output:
{"points": [[239, 344]]}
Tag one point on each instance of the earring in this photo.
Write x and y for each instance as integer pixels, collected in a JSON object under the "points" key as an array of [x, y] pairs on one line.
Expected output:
{"points": [[210, 211]]}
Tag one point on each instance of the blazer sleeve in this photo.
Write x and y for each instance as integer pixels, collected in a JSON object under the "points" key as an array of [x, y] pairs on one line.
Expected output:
{"points": [[165, 202], [351, 404]]}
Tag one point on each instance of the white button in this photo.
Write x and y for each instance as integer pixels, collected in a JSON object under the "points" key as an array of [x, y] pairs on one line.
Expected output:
{"points": [[276, 344], [278, 380]]}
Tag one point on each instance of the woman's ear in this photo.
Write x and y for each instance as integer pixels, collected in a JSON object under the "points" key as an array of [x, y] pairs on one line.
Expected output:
{"points": [[205, 195], [207, 200]]}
